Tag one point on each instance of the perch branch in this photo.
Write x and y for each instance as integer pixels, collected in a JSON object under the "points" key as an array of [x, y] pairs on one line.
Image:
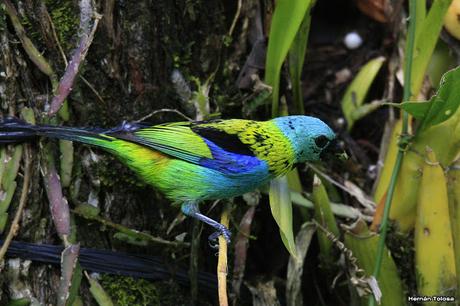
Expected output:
{"points": [[87, 35], [222, 267]]}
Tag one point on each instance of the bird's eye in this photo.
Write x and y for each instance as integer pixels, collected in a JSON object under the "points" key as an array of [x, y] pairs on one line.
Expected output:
{"points": [[321, 141]]}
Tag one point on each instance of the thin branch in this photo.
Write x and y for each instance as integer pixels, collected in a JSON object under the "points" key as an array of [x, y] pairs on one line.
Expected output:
{"points": [[130, 232], [22, 202], [87, 35], [165, 110], [222, 267], [96, 93], [235, 18]]}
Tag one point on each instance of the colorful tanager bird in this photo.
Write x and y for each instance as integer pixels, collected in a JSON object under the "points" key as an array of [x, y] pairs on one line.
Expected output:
{"points": [[195, 161]]}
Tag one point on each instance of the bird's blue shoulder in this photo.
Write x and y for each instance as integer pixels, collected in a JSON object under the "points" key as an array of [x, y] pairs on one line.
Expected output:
{"points": [[233, 163]]}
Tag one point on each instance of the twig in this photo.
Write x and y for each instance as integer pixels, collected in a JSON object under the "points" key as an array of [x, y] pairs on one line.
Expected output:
{"points": [[194, 251], [92, 88], [222, 267], [130, 232], [53, 31], [87, 35], [358, 196], [64, 58], [235, 18], [340, 210], [241, 248], [22, 202], [165, 110]]}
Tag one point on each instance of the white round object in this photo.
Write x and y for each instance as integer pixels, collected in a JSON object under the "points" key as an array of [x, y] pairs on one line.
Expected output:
{"points": [[353, 40]]}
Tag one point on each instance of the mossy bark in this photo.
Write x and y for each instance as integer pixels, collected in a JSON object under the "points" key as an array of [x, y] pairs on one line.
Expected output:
{"points": [[125, 77]]}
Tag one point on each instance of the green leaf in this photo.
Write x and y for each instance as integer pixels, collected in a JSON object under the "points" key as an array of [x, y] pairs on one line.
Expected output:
{"points": [[297, 58], [363, 245], [356, 92], [98, 293], [441, 61], [416, 109], [75, 285], [286, 20], [440, 107], [281, 207], [426, 37], [325, 217]]}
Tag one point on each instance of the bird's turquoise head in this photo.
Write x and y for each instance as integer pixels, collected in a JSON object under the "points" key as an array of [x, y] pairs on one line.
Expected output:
{"points": [[311, 138]]}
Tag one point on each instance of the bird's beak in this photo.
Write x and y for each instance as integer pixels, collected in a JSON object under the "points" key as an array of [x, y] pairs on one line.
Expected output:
{"points": [[334, 150]]}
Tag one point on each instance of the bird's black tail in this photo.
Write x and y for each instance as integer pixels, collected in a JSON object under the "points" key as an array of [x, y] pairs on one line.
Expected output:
{"points": [[106, 261], [14, 130]]}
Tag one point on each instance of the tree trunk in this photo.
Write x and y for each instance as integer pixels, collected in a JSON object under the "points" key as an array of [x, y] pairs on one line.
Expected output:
{"points": [[126, 76]]}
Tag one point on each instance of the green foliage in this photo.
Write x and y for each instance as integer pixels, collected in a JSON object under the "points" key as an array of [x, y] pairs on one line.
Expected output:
{"points": [[440, 107], [75, 284], [127, 291], [441, 61], [66, 19], [290, 23], [297, 58], [364, 247], [426, 36], [352, 102], [281, 207], [325, 217], [19, 302], [285, 24], [98, 293], [10, 158]]}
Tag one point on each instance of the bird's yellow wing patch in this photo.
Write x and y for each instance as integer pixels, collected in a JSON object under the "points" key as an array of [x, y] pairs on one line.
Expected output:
{"points": [[264, 139], [176, 139]]}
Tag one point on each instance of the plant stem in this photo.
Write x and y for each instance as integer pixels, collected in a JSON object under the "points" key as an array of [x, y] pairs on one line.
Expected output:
{"points": [[399, 157], [22, 202], [222, 266]]}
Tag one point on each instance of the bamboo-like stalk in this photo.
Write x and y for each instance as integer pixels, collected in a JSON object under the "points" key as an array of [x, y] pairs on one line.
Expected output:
{"points": [[222, 267]]}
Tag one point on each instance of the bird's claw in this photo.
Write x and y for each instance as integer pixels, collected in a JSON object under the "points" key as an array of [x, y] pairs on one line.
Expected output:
{"points": [[214, 237]]}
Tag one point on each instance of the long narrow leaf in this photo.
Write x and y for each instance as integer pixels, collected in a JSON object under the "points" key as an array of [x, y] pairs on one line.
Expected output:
{"points": [[356, 92], [281, 207], [285, 23], [364, 247], [297, 58], [425, 42]]}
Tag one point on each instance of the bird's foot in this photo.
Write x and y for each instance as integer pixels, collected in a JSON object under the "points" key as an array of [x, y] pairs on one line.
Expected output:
{"points": [[191, 209], [214, 237]]}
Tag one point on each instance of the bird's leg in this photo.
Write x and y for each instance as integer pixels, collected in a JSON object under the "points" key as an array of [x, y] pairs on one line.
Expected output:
{"points": [[191, 209]]}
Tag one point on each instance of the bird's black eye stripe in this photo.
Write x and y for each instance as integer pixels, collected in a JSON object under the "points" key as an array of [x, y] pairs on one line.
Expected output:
{"points": [[321, 141]]}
